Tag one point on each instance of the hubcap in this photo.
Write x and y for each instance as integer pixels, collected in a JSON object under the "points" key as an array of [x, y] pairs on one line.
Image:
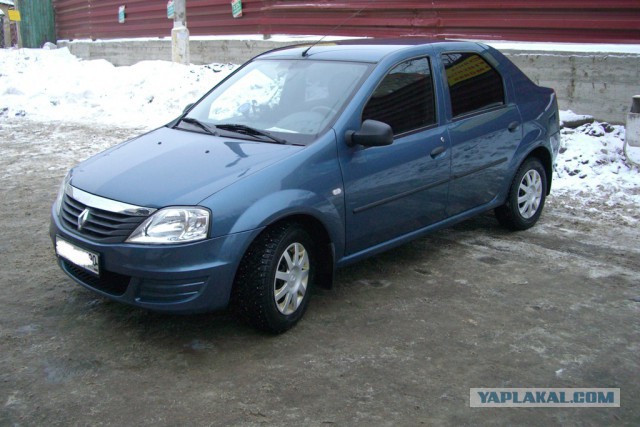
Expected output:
{"points": [[530, 194], [291, 279]]}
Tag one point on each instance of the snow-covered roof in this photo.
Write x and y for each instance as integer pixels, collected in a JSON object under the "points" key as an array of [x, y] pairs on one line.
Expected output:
{"points": [[7, 2]]}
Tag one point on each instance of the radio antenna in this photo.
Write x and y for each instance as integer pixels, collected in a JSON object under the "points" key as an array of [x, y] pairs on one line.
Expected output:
{"points": [[350, 17]]}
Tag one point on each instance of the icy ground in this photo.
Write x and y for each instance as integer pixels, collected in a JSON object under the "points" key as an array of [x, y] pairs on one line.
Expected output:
{"points": [[592, 173]]}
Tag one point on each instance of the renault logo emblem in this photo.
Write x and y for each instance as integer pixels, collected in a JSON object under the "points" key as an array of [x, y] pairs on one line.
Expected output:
{"points": [[82, 218]]}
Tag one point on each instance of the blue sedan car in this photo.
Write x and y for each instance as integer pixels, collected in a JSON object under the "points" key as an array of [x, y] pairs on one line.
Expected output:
{"points": [[302, 161]]}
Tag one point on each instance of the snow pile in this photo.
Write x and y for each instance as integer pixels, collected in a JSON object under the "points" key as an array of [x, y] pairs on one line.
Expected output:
{"points": [[54, 85], [572, 120], [592, 166]]}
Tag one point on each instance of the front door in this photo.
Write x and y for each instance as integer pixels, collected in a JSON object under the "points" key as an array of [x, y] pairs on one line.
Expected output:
{"points": [[394, 190]]}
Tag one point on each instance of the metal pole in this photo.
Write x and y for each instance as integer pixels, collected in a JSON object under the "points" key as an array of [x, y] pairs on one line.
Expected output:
{"points": [[17, 6], [180, 34]]}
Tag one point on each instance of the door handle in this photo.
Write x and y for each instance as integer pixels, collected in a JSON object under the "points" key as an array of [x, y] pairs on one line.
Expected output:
{"points": [[513, 126], [437, 151]]}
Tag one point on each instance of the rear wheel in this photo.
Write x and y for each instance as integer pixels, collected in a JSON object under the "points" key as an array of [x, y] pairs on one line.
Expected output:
{"points": [[272, 287], [526, 197]]}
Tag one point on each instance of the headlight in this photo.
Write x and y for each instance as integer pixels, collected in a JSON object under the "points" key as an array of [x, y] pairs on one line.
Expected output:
{"points": [[173, 225], [58, 203]]}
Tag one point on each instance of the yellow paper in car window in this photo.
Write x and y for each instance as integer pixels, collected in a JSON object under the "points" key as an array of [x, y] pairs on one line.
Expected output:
{"points": [[467, 69]]}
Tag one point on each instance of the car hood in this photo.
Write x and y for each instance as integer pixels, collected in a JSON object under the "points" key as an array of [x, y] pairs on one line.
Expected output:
{"points": [[170, 167]]}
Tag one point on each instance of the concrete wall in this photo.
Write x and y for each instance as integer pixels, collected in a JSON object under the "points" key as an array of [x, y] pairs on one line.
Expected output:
{"points": [[598, 84], [201, 51]]}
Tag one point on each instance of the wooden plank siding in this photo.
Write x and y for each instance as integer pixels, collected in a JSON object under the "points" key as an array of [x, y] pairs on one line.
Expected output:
{"points": [[611, 21]]}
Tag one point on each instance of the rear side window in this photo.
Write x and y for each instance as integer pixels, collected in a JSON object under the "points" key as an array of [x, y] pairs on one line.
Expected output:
{"points": [[404, 99], [473, 84]]}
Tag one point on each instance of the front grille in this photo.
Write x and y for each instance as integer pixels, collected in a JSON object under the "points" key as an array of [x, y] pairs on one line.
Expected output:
{"points": [[101, 225], [112, 283]]}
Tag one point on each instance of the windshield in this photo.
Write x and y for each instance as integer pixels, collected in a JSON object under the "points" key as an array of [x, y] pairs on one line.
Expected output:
{"points": [[293, 99]]}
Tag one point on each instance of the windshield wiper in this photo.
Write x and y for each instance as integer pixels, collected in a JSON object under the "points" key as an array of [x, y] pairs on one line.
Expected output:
{"points": [[210, 130], [248, 130]]}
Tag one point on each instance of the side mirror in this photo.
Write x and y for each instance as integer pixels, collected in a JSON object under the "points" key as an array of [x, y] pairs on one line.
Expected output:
{"points": [[372, 134], [187, 108]]}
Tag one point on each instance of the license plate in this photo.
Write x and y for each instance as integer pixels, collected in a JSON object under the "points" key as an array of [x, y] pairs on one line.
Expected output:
{"points": [[87, 260]]}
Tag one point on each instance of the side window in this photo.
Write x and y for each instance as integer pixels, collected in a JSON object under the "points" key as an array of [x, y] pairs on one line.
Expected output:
{"points": [[473, 83], [404, 99]]}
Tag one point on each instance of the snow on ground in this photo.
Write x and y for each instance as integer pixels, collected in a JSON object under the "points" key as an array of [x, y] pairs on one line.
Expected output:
{"points": [[498, 44], [55, 86], [566, 47]]}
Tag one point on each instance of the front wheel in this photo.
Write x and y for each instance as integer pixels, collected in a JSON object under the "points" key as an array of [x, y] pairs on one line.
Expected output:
{"points": [[272, 286], [526, 197]]}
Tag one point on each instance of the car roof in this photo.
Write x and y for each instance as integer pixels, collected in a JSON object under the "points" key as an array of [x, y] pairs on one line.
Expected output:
{"points": [[360, 50]]}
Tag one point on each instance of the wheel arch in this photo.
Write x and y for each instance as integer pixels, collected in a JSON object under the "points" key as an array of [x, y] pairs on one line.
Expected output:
{"points": [[544, 156], [323, 244]]}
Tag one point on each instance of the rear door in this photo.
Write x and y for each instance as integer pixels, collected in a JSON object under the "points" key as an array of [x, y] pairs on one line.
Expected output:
{"points": [[485, 129]]}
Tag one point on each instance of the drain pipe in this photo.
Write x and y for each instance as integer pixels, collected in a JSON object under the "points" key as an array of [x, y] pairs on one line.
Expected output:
{"points": [[632, 132]]}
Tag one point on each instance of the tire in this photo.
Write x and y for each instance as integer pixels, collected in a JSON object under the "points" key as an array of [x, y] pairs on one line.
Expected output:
{"points": [[526, 197], [273, 283]]}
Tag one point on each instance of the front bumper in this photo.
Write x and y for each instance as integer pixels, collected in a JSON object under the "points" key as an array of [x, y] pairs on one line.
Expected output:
{"points": [[186, 278]]}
